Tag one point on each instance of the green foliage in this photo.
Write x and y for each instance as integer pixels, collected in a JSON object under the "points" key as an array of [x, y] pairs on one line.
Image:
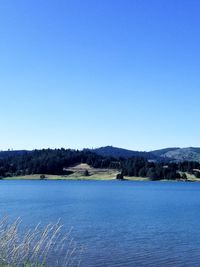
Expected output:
{"points": [[153, 174], [197, 174], [86, 173], [184, 176], [56, 161], [42, 177], [119, 176]]}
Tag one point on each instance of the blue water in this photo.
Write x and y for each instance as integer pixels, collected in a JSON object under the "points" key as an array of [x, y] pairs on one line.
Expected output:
{"points": [[119, 223]]}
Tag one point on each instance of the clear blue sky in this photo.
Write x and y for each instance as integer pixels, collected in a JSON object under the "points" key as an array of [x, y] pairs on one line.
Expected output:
{"points": [[89, 73]]}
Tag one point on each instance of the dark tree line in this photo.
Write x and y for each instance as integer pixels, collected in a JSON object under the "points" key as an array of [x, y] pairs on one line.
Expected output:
{"points": [[140, 167], [54, 161], [49, 161]]}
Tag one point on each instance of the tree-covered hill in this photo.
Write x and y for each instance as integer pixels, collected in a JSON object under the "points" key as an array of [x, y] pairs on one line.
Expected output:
{"points": [[164, 151], [56, 161], [12, 153], [50, 161], [179, 154], [167, 154], [116, 152]]}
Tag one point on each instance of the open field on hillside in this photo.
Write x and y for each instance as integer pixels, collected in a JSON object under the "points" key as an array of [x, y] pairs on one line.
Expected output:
{"points": [[192, 178], [78, 173]]}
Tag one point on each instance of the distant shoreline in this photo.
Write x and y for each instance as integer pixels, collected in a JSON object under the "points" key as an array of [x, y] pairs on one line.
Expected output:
{"points": [[36, 177], [84, 172]]}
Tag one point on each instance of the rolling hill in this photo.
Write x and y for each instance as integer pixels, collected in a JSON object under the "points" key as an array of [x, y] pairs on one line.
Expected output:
{"points": [[179, 154], [171, 154], [116, 152], [167, 154]]}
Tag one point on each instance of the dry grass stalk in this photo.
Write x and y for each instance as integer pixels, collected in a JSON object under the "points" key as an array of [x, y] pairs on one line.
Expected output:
{"points": [[37, 247]]}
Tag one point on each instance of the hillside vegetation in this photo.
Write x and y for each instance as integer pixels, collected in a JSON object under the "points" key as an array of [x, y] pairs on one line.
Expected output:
{"points": [[74, 164], [166, 154], [179, 154], [116, 152]]}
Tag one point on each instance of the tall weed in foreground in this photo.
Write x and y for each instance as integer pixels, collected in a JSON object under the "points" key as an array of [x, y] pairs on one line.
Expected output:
{"points": [[37, 247]]}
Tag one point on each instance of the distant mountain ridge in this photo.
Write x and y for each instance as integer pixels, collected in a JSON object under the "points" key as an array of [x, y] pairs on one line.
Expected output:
{"points": [[179, 154], [168, 154], [171, 154], [162, 152], [116, 152]]}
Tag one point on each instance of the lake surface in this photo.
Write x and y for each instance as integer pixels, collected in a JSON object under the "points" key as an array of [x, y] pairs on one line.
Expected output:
{"points": [[119, 223]]}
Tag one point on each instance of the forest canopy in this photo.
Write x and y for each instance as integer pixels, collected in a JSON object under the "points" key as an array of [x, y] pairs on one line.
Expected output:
{"points": [[55, 161]]}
